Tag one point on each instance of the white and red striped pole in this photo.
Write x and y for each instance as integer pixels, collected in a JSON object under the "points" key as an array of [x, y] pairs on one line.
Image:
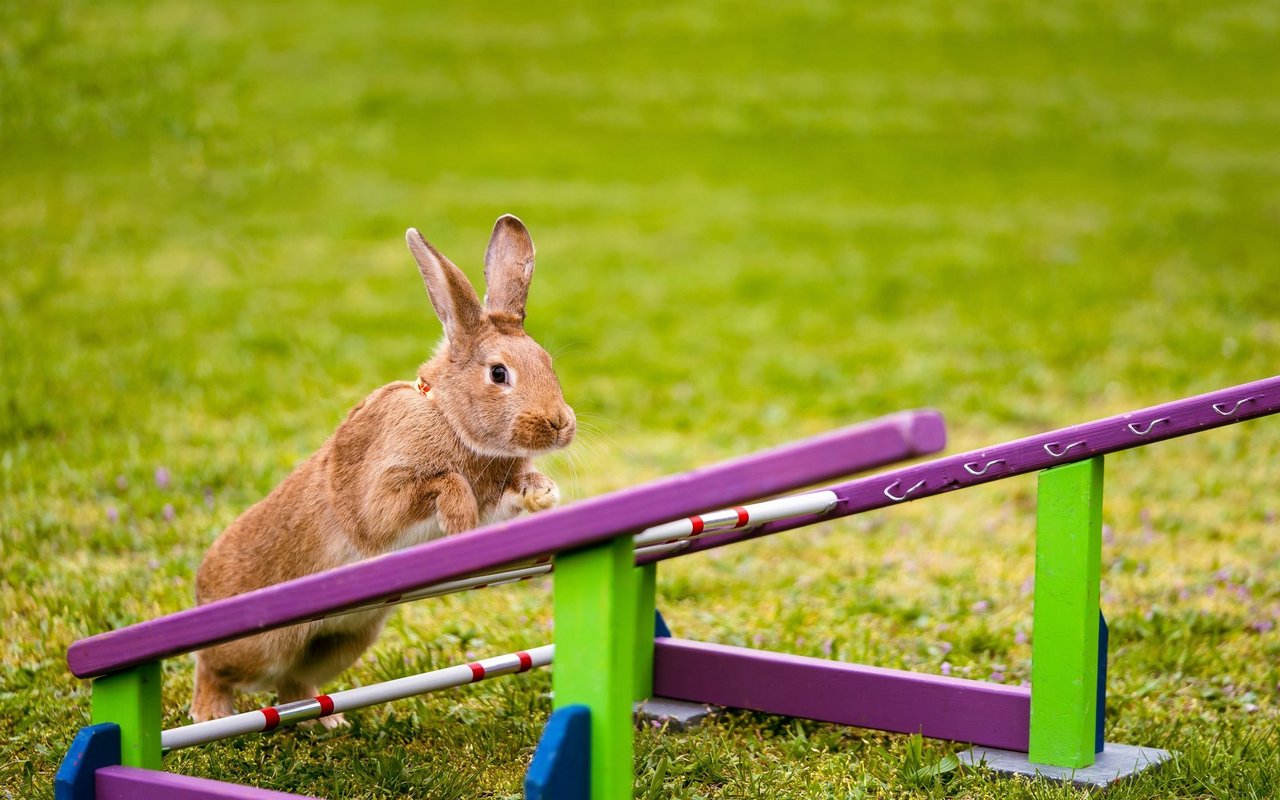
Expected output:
{"points": [[267, 719], [676, 534], [666, 537]]}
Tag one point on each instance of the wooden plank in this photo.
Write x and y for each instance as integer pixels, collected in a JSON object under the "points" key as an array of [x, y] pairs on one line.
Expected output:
{"points": [[974, 712], [1065, 636], [597, 519], [1032, 454], [132, 783]]}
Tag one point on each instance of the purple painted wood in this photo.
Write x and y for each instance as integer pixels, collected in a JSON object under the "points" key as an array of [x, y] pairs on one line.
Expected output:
{"points": [[1077, 443], [987, 714], [624, 512], [131, 783]]}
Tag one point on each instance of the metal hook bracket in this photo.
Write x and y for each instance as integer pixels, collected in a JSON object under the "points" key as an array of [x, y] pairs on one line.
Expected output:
{"points": [[888, 491], [1048, 448], [1221, 408], [1137, 429], [972, 470]]}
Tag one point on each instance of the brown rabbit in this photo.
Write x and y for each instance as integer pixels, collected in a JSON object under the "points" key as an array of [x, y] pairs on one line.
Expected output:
{"points": [[413, 462]]}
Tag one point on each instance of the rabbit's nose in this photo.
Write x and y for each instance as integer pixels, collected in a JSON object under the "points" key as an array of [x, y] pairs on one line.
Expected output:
{"points": [[561, 420]]}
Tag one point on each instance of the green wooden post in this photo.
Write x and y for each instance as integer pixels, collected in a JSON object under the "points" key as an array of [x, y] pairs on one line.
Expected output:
{"points": [[646, 613], [131, 699], [1064, 654], [595, 611]]}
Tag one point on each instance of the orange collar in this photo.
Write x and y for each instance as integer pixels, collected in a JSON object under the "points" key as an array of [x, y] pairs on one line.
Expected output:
{"points": [[423, 388]]}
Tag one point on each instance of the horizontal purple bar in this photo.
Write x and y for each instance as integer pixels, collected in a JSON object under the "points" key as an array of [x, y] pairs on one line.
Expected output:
{"points": [[590, 521], [987, 714], [1077, 443], [131, 783]]}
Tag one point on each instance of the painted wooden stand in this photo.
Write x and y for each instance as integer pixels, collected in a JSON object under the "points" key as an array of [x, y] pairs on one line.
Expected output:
{"points": [[595, 612], [1064, 643], [1069, 645], [131, 699]]}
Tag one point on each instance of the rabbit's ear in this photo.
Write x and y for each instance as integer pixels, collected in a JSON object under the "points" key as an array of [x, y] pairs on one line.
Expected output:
{"points": [[508, 267], [451, 293]]}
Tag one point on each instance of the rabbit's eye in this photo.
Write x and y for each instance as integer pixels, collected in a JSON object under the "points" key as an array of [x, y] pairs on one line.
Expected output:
{"points": [[498, 373]]}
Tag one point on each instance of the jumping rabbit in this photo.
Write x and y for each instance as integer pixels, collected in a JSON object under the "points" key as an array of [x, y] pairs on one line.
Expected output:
{"points": [[414, 461]]}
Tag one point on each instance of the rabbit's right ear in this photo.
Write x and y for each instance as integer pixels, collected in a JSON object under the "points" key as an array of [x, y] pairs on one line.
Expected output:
{"points": [[451, 294], [508, 267]]}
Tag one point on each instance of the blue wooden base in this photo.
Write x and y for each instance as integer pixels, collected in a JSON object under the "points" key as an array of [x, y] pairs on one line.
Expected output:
{"points": [[660, 629], [95, 746], [561, 767], [1104, 641]]}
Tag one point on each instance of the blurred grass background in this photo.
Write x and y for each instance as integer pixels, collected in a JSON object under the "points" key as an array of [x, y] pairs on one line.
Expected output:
{"points": [[754, 222]]}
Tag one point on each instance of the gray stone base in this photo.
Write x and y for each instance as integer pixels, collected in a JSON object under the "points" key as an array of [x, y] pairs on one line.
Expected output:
{"points": [[676, 715], [1115, 763]]}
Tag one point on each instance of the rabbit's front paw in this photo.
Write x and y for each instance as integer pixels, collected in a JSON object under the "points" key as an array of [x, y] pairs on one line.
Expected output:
{"points": [[333, 722], [538, 492]]}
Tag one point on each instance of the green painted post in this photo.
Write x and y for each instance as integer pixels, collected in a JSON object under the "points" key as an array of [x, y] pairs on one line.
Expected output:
{"points": [[595, 611], [1064, 654], [131, 699], [646, 613]]}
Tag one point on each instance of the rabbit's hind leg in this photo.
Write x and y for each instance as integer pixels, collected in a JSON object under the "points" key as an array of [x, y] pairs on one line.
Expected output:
{"points": [[291, 690], [329, 650], [212, 697]]}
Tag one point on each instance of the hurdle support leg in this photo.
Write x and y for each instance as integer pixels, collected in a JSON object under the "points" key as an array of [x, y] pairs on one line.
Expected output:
{"points": [[650, 709], [131, 699], [645, 627], [1064, 650], [1068, 648], [595, 666]]}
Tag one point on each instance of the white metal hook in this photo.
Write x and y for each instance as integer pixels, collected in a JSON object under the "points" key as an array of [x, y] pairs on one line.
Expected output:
{"points": [[889, 493], [1219, 407], [1048, 448], [1136, 429], [969, 468]]}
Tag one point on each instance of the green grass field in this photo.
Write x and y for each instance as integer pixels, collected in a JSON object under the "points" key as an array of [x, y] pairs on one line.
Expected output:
{"points": [[754, 223]]}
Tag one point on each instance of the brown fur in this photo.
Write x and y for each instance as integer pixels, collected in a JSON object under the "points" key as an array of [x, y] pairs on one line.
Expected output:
{"points": [[403, 468]]}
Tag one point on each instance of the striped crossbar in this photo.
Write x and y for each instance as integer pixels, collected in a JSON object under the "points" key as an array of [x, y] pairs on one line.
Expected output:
{"points": [[272, 717]]}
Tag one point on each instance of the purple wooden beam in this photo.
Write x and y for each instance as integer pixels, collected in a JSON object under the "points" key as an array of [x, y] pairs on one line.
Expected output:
{"points": [[987, 714], [1064, 446], [597, 519], [131, 783]]}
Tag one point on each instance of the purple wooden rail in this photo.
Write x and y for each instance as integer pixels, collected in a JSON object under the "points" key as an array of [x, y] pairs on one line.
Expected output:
{"points": [[131, 783], [786, 468], [1077, 443], [988, 714]]}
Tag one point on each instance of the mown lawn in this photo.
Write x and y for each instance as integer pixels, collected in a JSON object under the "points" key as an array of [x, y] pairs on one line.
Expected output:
{"points": [[754, 222]]}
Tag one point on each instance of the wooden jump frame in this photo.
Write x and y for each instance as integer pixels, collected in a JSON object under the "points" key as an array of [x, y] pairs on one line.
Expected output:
{"points": [[607, 654]]}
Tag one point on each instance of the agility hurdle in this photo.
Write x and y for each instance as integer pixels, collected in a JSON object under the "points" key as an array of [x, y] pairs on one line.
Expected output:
{"points": [[124, 664], [607, 655]]}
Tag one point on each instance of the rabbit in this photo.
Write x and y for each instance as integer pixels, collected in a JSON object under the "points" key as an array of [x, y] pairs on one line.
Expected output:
{"points": [[412, 462]]}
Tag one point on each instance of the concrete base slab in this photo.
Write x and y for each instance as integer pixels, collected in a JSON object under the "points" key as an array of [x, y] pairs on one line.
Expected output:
{"points": [[1115, 763], [676, 715]]}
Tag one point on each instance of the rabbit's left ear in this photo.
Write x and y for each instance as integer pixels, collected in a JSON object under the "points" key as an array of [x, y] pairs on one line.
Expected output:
{"points": [[508, 267]]}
